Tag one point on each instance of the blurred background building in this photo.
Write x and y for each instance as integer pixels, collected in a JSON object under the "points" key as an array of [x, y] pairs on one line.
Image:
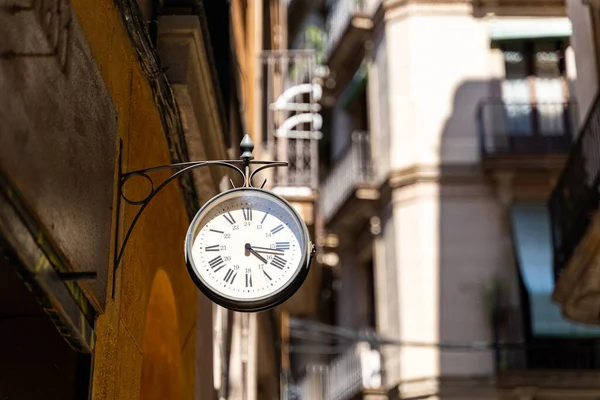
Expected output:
{"points": [[446, 125], [444, 155]]}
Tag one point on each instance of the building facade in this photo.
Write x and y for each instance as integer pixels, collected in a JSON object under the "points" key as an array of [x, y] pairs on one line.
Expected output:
{"points": [[446, 126]]}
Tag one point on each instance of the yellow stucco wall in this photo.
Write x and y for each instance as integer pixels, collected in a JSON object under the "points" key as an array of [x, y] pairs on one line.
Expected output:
{"points": [[157, 241]]}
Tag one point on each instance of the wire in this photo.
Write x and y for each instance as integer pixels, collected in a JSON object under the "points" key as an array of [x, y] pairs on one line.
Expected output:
{"points": [[311, 331]]}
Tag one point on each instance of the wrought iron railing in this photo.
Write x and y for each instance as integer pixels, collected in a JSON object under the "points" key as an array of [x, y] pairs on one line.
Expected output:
{"points": [[576, 198], [347, 375], [282, 71], [353, 168], [507, 128], [312, 385], [339, 18], [547, 355]]}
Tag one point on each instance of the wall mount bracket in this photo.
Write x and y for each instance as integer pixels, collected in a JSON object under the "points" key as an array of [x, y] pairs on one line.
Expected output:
{"points": [[246, 159]]}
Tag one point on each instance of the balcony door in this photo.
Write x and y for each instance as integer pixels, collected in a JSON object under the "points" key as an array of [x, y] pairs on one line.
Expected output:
{"points": [[534, 91]]}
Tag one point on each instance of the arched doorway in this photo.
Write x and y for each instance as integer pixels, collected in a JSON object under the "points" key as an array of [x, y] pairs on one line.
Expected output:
{"points": [[161, 368]]}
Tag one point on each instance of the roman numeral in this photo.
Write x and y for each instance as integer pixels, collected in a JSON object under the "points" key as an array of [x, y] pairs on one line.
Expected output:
{"points": [[265, 217], [247, 213], [212, 248], [278, 262], [267, 275], [282, 246], [277, 229], [214, 230], [248, 280], [229, 218], [230, 276], [216, 262]]}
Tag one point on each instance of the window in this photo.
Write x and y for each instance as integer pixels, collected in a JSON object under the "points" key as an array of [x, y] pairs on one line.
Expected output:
{"points": [[534, 89]]}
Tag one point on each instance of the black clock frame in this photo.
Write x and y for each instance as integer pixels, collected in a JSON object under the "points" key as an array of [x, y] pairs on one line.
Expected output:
{"points": [[267, 302]]}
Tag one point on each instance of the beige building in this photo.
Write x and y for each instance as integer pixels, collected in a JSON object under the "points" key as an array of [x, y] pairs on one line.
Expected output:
{"points": [[446, 126]]}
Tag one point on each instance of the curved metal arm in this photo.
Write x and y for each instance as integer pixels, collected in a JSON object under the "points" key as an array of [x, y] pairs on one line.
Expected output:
{"points": [[246, 161], [187, 167]]}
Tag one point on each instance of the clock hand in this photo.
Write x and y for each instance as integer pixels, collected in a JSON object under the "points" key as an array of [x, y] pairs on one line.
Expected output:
{"points": [[262, 248], [270, 251], [261, 258], [258, 248], [267, 250]]}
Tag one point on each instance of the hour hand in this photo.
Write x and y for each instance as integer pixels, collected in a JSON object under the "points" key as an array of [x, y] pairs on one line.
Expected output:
{"points": [[253, 252]]}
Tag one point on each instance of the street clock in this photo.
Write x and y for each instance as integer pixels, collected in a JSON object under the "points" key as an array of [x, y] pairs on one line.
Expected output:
{"points": [[248, 249]]}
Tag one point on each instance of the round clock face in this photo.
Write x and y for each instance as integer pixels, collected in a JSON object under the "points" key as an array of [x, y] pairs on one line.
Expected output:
{"points": [[247, 249]]}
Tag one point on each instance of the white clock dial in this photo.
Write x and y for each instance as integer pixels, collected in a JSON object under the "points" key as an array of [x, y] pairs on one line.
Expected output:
{"points": [[248, 246]]}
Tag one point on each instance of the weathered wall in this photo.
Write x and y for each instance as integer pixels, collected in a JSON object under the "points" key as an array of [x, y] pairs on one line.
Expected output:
{"points": [[57, 134], [156, 243]]}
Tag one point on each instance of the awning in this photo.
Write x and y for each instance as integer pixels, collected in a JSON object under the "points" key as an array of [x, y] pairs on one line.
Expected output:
{"points": [[533, 244], [529, 28]]}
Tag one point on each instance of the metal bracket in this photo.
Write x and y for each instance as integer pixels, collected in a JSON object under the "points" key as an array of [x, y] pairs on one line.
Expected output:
{"points": [[246, 159]]}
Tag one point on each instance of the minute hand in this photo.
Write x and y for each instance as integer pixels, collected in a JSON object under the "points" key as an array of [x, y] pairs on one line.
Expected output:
{"points": [[267, 250], [264, 248]]}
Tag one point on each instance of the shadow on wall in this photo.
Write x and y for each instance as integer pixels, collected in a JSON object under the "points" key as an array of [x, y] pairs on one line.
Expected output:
{"points": [[459, 143], [485, 285], [476, 260]]}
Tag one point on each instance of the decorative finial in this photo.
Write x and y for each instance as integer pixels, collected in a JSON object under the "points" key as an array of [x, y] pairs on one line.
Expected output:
{"points": [[247, 146]]}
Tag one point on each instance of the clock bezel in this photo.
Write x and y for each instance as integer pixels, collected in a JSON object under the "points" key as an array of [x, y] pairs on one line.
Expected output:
{"points": [[241, 305]]}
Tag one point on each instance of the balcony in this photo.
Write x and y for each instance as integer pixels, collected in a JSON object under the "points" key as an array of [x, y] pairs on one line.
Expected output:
{"points": [[288, 114], [509, 129], [576, 198], [524, 146], [576, 226], [289, 117], [350, 180], [353, 375], [348, 28], [341, 20], [556, 364]]}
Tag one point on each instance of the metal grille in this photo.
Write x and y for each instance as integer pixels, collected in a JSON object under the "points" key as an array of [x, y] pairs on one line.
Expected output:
{"points": [[290, 114], [526, 128], [313, 385], [576, 198], [343, 378], [353, 168]]}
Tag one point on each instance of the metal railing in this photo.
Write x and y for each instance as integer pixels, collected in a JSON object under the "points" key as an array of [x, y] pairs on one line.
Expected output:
{"points": [[347, 375], [339, 18], [526, 128], [353, 168], [282, 71], [313, 385], [548, 355], [575, 198]]}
